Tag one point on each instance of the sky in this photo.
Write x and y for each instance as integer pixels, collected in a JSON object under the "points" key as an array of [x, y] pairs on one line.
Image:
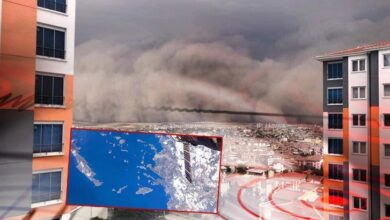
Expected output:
{"points": [[133, 56]]}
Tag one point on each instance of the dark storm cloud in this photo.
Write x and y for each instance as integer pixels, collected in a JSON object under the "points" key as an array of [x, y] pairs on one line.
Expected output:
{"points": [[217, 54]]}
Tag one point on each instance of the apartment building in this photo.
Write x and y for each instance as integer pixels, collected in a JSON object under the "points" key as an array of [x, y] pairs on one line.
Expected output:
{"points": [[356, 103], [37, 65]]}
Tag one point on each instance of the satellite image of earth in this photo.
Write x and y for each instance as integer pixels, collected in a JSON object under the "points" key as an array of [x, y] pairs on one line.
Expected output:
{"points": [[144, 171]]}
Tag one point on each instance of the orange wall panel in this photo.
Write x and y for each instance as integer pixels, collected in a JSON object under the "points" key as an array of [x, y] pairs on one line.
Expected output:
{"points": [[374, 135], [18, 34], [17, 60], [332, 184], [27, 3], [346, 120], [64, 115]]}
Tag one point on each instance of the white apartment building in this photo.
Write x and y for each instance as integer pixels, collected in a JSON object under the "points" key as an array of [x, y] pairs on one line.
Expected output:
{"points": [[357, 132]]}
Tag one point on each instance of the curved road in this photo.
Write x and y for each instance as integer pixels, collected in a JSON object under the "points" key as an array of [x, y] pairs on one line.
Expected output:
{"points": [[251, 191]]}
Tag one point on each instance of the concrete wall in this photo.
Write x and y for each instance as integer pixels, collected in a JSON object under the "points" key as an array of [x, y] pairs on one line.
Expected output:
{"points": [[57, 20], [384, 107], [356, 133]]}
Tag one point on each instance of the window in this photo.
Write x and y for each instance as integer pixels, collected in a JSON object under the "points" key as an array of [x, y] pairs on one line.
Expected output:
{"points": [[359, 65], [335, 146], [387, 150], [335, 96], [386, 60], [386, 90], [335, 121], [56, 5], [387, 120], [49, 90], [336, 197], [359, 147], [387, 210], [359, 120], [47, 138], [359, 175], [359, 203], [362, 65], [335, 171], [335, 71], [359, 92], [387, 180], [50, 43], [336, 217], [46, 186]]}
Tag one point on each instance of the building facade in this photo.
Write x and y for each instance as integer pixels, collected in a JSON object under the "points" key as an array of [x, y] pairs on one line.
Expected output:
{"points": [[356, 103], [37, 66]]}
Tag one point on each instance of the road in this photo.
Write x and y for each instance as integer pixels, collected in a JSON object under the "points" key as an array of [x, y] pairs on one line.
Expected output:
{"points": [[280, 197]]}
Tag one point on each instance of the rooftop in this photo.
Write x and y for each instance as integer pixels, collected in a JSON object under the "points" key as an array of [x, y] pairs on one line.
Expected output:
{"points": [[310, 158], [355, 51]]}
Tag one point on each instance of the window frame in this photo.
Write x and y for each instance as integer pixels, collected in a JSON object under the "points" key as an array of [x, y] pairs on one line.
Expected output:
{"points": [[384, 120], [359, 173], [337, 191], [63, 89], [335, 88], [51, 154], [341, 176], [359, 121], [360, 148], [55, 28], [384, 55], [384, 150], [384, 180], [342, 121], [359, 92], [360, 203], [358, 65], [384, 85], [327, 70], [342, 146], [50, 202], [387, 214], [53, 10]]}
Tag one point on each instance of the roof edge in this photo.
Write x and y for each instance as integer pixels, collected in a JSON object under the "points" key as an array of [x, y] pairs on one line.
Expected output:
{"points": [[338, 55]]}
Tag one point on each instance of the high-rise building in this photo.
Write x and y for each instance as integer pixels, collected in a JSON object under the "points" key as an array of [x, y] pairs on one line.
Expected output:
{"points": [[356, 103], [36, 97]]}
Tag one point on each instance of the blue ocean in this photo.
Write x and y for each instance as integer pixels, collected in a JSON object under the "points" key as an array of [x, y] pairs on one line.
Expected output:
{"points": [[110, 169]]}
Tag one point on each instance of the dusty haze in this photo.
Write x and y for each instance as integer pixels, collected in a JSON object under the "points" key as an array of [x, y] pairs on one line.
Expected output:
{"points": [[239, 55]]}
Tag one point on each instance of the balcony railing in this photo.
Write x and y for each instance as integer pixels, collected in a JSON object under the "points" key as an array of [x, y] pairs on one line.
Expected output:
{"points": [[49, 100], [335, 100], [45, 194], [52, 5], [47, 148], [50, 52]]}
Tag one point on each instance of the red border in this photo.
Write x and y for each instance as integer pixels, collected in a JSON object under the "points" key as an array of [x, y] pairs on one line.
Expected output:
{"points": [[144, 209], [219, 177]]}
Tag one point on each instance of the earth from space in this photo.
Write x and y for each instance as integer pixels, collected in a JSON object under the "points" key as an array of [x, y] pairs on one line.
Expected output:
{"points": [[142, 171]]}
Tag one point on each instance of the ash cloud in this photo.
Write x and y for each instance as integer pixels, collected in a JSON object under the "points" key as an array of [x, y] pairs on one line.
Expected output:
{"points": [[226, 55]]}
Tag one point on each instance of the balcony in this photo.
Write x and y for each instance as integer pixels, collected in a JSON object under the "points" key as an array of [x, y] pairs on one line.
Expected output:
{"points": [[50, 52], [47, 148], [335, 101], [49, 100]]}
